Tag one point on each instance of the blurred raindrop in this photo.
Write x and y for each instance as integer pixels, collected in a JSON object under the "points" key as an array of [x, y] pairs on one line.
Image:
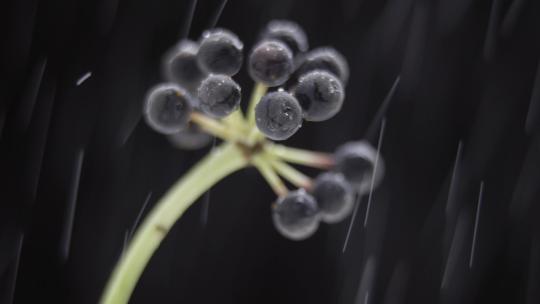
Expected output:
{"points": [[452, 269], [217, 14], [206, 199], [185, 30], [28, 100], [452, 13], [83, 78], [395, 293], [533, 113], [375, 167], [450, 202], [351, 223], [13, 286], [71, 206], [139, 215], [367, 281], [381, 112], [476, 221], [533, 292], [511, 17], [492, 30]]}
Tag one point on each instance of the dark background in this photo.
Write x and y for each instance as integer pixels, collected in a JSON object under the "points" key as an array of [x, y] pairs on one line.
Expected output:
{"points": [[469, 73]]}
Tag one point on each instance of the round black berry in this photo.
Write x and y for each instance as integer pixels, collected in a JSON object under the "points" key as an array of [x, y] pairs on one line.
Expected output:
{"points": [[220, 52], [320, 94], [167, 108], [270, 63], [219, 95], [326, 59], [278, 115], [180, 65], [296, 215], [287, 32], [190, 138], [334, 196], [356, 160]]}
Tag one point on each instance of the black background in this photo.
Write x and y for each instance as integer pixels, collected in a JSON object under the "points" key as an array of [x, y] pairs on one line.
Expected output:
{"points": [[469, 73]]}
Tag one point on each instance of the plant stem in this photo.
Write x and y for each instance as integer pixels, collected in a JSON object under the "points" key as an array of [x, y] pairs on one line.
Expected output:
{"points": [[270, 175], [318, 160], [236, 120], [223, 161], [253, 135], [290, 173], [258, 92], [215, 127]]}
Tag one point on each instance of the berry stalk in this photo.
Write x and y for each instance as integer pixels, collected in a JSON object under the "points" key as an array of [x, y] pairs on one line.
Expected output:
{"points": [[258, 92], [215, 127], [270, 175], [223, 161], [236, 120], [308, 158], [290, 173]]}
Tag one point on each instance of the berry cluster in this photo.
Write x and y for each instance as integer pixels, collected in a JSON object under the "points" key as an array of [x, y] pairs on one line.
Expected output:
{"points": [[200, 100], [293, 84], [330, 197]]}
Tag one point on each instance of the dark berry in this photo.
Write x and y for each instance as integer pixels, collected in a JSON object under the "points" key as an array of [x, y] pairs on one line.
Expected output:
{"points": [[180, 65], [270, 63], [167, 108], [219, 95], [356, 160], [320, 94], [326, 59], [278, 115], [220, 52], [190, 138], [334, 196], [287, 32], [296, 215]]}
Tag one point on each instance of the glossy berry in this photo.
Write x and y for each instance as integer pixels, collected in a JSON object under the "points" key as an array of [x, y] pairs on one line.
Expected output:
{"points": [[356, 160], [167, 108], [287, 32], [278, 115], [296, 215], [334, 196], [219, 95], [180, 65], [326, 59], [190, 138], [220, 52], [320, 94], [270, 63]]}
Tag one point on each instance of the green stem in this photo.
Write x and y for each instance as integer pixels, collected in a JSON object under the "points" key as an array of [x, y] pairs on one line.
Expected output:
{"points": [[214, 167], [236, 120], [258, 92], [215, 127], [301, 157], [270, 175], [290, 173]]}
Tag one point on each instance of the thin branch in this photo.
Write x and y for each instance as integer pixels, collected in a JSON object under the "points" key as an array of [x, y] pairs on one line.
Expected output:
{"points": [[291, 174], [308, 158], [270, 175]]}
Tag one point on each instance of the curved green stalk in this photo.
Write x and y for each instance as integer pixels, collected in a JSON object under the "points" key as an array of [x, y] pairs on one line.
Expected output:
{"points": [[214, 167]]}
